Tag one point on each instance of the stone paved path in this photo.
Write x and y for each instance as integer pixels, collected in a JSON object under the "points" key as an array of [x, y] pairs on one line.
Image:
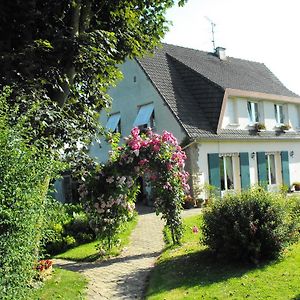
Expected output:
{"points": [[125, 277]]}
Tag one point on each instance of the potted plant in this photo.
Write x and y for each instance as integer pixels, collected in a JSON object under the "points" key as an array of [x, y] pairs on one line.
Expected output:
{"points": [[296, 186], [259, 126], [285, 127], [189, 202]]}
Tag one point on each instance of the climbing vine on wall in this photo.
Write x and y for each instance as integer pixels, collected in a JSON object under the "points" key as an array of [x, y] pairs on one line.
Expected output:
{"points": [[110, 192]]}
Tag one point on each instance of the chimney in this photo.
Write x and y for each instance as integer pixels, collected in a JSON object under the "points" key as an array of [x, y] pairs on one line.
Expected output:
{"points": [[220, 52]]}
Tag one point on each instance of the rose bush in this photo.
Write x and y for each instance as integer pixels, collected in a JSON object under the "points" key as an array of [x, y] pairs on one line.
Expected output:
{"points": [[110, 191]]}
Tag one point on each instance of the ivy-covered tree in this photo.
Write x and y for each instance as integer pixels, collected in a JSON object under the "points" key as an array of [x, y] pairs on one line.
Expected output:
{"points": [[60, 57]]}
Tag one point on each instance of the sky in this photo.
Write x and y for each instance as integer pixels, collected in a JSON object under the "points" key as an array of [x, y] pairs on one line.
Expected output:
{"points": [[266, 31]]}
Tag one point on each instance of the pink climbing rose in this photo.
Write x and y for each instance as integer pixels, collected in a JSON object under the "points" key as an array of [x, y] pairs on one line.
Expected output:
{"points": [[135, 132], [195, 229]]}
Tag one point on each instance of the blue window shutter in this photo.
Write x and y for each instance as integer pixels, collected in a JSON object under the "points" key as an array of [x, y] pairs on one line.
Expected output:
{"points": [[244, 170], [261, 168], [214, 170], [285, 168]]}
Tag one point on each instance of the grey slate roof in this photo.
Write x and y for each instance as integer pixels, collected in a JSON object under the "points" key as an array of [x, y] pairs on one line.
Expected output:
{"points": [[193, 83]]}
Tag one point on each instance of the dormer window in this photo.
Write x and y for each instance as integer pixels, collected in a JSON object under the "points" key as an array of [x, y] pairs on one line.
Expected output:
{"points": [[145, 117], [253, 112], [114, 123], [279, 114]]}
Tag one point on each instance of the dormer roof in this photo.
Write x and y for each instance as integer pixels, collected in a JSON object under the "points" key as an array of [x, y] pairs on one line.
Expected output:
{"points": [[193, 84]]}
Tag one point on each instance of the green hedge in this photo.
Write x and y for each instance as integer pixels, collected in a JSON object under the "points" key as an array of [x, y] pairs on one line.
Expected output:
{"points": [[23, 185], [253, 225]]}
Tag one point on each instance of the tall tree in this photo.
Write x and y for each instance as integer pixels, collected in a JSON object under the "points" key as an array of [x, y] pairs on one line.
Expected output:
{"points": [[60, 57]]}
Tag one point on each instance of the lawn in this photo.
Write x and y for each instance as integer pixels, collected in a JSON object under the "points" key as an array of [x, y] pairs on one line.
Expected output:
{"points": [[89, 252], [63, 285], [191, 272]]}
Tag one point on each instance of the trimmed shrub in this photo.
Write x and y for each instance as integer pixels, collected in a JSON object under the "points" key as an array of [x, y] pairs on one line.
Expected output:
{"points": [[24, 183], [250, 226]]}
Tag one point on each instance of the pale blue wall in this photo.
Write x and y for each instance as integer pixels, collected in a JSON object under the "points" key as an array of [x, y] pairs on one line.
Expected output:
{"points": [[127, 95]]}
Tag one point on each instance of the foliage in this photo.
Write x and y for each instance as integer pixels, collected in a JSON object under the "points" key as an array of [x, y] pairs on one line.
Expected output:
{"points": [[191, 271], [62, 285], [23, 187], [61, 57], [65, 226], [292, 208], [90, 251], [250, 226], [111, 192]]}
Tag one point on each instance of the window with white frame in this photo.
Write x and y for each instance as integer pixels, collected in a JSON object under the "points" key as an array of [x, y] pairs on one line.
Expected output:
{"points": [[279, 114], [114, 123], [253, 114], [226, 172], [271, 168]]}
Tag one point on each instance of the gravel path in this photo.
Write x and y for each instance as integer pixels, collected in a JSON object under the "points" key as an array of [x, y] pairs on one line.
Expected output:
{"points": [[125, 277]]}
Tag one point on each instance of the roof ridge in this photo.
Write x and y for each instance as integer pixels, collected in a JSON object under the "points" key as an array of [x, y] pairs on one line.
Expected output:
{"points": [[208, 52]]}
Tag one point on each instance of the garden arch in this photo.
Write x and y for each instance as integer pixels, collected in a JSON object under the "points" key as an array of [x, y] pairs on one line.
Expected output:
{"points": [[111, 190]]}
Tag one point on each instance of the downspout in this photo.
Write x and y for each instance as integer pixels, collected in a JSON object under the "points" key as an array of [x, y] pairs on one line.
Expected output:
{"points": [[190, 144]]}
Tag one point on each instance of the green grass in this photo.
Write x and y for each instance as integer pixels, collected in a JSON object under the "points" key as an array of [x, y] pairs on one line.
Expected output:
{"points": [[63, 285], [191, 272], [88, 252]]}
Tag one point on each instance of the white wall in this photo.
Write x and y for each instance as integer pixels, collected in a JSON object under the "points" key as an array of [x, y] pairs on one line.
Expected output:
{"points": [[236, 114], [251, 146]]}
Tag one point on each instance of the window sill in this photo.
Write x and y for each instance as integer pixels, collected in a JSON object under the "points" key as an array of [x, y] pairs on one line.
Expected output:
{"points": [[253, 126], [233, 125], [278, 126]]}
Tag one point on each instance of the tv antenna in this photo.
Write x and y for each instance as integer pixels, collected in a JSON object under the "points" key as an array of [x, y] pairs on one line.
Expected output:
{"points": [[213, 25]]}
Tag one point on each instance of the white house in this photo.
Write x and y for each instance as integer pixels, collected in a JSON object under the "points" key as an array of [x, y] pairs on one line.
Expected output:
{"points": [[238, 123]]}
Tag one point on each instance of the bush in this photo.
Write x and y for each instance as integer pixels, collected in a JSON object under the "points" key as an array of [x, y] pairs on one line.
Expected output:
{"points": [[292, 207], [23, 181], [251, 226], [65, 226]]}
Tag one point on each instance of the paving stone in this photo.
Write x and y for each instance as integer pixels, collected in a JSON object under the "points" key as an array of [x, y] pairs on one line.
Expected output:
{"points": [[125, 277]]}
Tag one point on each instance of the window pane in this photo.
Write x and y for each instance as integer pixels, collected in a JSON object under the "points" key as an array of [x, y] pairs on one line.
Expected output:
{"points": [[255, 112], [272, 169], [281, 117], [222, 174], [276, 113], [229, 172], [249, 112]]}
